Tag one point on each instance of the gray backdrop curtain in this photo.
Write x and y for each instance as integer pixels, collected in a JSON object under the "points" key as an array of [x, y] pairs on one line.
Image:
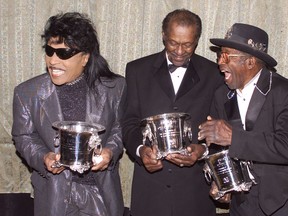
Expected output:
{"points": [[127, 30]]}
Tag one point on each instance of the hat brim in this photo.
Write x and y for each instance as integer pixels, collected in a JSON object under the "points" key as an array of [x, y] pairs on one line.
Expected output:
{"points": [[270, 61], [215, 49]]}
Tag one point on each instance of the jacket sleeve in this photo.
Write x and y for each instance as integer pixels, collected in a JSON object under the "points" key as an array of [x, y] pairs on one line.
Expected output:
{"points": [[132, 135], [24, 134], [114, 140], [268, 141], [267, 146]]}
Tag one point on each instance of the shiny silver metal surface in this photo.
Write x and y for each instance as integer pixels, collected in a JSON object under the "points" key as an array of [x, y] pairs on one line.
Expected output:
{"points": [[169, 132], [78, 141], [229, 174]]}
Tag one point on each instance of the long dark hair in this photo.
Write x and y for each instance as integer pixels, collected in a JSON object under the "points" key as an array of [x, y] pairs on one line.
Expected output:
{"points": [[77, 31]]}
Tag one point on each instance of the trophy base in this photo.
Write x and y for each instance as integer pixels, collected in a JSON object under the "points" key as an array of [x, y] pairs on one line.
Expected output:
{"points": [[161, 155], [245, 186], [80, 168]]}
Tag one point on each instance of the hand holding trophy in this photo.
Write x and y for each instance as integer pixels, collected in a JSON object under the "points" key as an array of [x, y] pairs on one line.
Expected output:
{"points": [[80, 145]]}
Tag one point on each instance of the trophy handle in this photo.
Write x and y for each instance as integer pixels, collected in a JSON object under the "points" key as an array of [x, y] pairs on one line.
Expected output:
{"points": [[187, 131], [97, 157], [56, 164], [57, 140], [147, 133], [98, 150], [57, 144], [219, 195], [95, 143], [208, 177], [207, 173], [246, 168]]}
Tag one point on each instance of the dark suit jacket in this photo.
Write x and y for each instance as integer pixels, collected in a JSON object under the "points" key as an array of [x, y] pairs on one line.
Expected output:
{"points": [[35, 108], [265, 140], [173, 190]]}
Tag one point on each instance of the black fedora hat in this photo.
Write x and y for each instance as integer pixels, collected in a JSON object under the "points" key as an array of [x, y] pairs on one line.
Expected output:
{"points": [[249, 39]]}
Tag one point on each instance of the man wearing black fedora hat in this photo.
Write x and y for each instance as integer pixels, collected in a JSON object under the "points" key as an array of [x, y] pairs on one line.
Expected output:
{"points": [[250, 116]]}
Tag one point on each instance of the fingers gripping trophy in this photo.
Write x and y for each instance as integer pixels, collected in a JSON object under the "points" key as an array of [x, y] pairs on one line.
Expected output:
{"points": [[229, 174]]}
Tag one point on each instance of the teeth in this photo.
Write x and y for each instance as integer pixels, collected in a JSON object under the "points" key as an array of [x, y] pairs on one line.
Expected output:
{"points": [[227, 76], [57, 72]]}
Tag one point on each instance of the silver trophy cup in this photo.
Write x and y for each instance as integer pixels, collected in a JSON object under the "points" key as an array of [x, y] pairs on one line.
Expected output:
{"points": [[229, 174], [78, 142], [169, 132]]}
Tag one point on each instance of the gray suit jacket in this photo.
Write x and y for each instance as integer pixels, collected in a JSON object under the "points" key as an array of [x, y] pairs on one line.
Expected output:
{"points": [[35, 108]]}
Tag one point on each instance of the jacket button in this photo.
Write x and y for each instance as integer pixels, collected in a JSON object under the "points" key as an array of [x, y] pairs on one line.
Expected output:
{"points": [[175, 108]]}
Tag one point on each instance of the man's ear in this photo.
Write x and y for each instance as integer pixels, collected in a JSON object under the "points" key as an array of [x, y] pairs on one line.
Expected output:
{"points": [[86, 59], [163, 38], [251, 61]]}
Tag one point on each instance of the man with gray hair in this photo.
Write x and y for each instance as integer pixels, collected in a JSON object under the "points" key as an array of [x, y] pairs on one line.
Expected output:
{"points": [[175, 80]]}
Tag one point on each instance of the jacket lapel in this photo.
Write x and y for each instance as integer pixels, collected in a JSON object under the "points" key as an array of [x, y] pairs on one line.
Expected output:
{"points": [[232, 110], [258, 98], [49, 104], [189, 80], [95, 103], [162, 76]]}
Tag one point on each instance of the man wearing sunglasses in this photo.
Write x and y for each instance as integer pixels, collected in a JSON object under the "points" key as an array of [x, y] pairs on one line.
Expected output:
{"points": [[78, 86], [250, 117]]}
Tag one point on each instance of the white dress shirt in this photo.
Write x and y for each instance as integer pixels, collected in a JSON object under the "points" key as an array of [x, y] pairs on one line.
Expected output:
{"points": [[244, 97], [177, 77]]}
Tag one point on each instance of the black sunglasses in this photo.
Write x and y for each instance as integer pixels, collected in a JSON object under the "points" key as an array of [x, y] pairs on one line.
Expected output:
{"points": [[62, 53]]}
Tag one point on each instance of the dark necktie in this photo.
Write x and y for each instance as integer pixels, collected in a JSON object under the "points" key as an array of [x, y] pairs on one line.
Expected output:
{"points": [[172, 67]]}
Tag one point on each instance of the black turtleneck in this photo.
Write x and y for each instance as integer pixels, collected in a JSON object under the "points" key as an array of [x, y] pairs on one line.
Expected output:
{"points": [[72, 98]]}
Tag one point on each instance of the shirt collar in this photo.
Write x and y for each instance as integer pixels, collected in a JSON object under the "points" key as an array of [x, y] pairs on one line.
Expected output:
{"points": [[249, 87]]}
